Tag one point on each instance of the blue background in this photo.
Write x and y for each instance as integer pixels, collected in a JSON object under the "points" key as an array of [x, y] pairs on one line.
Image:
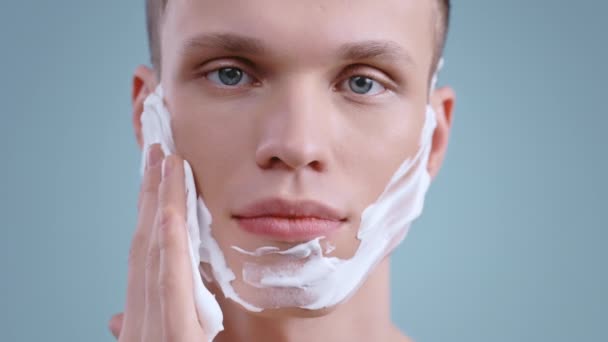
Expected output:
{"points": [[512, 246]]}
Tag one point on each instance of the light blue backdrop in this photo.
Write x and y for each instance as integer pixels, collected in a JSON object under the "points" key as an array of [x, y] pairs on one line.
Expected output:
{"points": [[512, 246]]}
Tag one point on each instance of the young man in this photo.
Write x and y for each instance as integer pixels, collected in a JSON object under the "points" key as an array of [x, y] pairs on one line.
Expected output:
{"points": [[294, 116]]}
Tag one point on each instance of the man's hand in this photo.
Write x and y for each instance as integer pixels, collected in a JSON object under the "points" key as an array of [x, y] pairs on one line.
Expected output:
{"points": [[160, 301]]}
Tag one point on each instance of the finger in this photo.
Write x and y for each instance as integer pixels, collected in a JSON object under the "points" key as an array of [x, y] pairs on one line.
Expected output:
{"points": [[152, 330], [179, 317], [115, 324], [135, 301]]}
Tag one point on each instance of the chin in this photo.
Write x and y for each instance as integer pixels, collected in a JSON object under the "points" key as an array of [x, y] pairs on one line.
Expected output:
{"points": [[285, 312]]}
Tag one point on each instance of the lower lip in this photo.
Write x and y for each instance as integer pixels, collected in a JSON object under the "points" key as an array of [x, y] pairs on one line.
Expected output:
{"points": [[289, 229]]}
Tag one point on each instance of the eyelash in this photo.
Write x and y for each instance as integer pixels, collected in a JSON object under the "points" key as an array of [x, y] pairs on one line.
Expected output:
{"points": [[346, 76]]}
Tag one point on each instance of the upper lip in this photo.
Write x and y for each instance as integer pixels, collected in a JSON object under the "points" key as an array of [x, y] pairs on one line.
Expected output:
{"points": [[289, 209]]}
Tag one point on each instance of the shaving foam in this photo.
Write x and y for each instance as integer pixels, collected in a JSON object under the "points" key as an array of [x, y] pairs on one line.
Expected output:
{"points": [[321, 280]]}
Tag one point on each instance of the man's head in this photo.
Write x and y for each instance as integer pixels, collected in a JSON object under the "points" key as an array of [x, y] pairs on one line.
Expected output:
{"points": [[316, 101]]}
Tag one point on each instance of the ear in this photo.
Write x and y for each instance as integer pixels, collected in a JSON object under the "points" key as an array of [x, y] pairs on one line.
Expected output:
{"points": [[144, 83], [442, 101]]}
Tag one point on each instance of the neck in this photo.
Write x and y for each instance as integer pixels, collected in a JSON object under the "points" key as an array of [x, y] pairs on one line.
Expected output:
{"points": [[364, 317]]}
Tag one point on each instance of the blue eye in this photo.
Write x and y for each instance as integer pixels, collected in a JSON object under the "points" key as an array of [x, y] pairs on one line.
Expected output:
{"points": [[364, 85], [229, 76]]}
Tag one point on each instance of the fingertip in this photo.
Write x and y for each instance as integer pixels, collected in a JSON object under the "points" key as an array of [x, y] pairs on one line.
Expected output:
{"points": [[151, 177], [155, 155], [170, 166], [172, 189]]}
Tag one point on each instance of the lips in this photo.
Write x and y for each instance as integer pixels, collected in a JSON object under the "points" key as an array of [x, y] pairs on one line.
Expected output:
{"points": [[289, 221]]}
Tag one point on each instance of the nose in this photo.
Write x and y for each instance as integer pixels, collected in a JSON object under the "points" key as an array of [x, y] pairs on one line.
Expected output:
{"points": [[296, 131]]}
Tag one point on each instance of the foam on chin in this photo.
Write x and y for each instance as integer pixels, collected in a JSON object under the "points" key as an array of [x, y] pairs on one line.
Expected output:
{"points": [[320, 281]]}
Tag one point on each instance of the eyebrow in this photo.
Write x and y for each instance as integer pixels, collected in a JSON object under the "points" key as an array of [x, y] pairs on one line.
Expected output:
{"points": [[241, 44], [228, 42], [375, 49]]}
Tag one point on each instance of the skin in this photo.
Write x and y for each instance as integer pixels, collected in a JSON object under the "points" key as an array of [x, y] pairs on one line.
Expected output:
{"points": [[296, 130]]}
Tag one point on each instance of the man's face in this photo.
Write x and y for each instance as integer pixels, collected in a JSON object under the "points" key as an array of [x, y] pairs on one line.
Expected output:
{"points": [[295, 100]]}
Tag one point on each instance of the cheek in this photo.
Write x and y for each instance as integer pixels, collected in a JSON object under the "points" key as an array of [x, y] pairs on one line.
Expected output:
{"points": [[378, 147], [215, 140]]}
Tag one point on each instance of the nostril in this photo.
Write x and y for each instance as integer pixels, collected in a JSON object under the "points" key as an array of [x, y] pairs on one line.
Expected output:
{"points": [[316, 165], [273, 162], [277, 162]]}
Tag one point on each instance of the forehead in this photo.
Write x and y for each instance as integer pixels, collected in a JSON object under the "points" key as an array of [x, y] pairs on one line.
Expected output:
{"points": [[312, 30]]}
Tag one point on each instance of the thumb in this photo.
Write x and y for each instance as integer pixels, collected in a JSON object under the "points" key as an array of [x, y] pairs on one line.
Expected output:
{"points": [[115, 324]]}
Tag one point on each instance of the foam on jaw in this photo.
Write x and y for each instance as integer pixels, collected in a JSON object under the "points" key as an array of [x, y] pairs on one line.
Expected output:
{"points": [[324, 281]]}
